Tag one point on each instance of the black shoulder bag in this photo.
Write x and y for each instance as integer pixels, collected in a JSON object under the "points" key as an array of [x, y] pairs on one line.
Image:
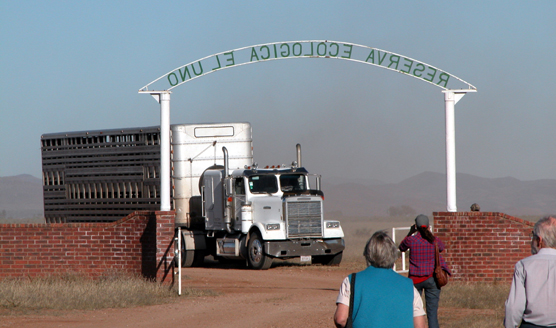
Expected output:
{"points": [[349, 323]]}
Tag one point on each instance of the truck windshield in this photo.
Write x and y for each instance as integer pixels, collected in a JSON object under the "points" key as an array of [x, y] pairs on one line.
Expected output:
{"points": [[263, 184], [292, 182]]}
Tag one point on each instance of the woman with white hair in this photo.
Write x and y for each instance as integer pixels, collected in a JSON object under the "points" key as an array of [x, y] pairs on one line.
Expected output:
{"points": [[381, 297]]}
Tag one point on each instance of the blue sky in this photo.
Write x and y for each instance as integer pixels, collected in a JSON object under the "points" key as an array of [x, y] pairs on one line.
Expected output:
{"points": [[77, 65]]}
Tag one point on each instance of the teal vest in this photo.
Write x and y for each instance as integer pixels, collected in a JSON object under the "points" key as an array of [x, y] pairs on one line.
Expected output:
{"points": [[382, 298]]}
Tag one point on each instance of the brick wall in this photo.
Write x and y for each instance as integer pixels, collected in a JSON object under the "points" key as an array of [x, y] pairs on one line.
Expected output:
{"points": [[482, 246], [141, 243]]}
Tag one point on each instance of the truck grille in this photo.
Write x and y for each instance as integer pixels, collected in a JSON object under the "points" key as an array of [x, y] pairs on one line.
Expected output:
{"points": [[304, 219]]}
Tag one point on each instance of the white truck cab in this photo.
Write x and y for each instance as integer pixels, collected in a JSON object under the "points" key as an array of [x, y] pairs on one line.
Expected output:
{"points": [[250, 213]]}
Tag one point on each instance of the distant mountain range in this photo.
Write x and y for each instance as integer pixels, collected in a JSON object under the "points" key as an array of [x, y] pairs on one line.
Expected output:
{"points": [[426, 193], [21, 196]]}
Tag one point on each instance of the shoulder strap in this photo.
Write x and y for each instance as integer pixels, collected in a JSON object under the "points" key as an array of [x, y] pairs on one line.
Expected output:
{"points": [[351, 293], [436, 254]]}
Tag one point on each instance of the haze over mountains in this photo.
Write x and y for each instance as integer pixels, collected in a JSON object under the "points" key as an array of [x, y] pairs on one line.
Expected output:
{"points": [[426, 193], [21, 196]]}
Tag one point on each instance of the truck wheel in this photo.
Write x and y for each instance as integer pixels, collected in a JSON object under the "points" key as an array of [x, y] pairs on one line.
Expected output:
{"points": [[329, 259], [256, 257]]}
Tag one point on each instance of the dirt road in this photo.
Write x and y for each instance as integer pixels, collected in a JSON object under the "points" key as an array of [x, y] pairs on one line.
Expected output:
{"points": [[288, 296]]}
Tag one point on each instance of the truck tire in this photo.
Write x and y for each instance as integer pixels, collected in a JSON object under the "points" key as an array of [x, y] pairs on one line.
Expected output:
{"points": [[328, 259], [191, 258], [256, 257]]}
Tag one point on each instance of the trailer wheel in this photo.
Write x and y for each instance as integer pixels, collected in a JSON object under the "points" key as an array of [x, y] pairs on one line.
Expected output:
{"points": [[328, 259], [256, 257], [191, 258]]}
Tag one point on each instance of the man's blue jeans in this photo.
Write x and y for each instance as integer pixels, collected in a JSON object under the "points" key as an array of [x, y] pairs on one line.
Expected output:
{"points": [[432, 297]]}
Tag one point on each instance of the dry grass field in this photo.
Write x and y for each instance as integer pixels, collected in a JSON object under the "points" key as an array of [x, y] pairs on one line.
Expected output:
{"points": [[287, 295], [74, 292]]}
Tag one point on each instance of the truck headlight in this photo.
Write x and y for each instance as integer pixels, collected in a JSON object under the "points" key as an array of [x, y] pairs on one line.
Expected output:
{"points": [[332, 224], [273, 226]]}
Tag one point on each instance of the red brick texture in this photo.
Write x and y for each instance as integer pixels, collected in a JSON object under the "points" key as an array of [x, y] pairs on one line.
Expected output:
{"points": [[141, 243], [482, 246]]}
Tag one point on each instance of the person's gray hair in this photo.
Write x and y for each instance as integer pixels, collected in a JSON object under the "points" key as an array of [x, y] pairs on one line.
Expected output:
{"points": [[546, 229], [381, 251]]}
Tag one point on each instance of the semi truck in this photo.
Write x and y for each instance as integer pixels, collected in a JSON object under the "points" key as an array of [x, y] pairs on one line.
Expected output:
{"points": [[226, 205]]}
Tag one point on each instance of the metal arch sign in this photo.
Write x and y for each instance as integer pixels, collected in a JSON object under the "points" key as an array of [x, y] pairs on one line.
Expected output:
{"points": [[453, 87], [308, 49]]}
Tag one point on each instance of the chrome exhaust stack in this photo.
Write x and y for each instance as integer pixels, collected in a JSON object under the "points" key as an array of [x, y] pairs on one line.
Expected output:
{"points": [[298, 148]]}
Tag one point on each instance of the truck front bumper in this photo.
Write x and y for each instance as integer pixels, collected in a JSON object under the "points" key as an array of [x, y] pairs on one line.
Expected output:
{"points": [[304, 247]]}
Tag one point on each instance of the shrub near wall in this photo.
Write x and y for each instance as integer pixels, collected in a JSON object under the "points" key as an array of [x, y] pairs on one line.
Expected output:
{"points": [[483, 246], [141, 243]]}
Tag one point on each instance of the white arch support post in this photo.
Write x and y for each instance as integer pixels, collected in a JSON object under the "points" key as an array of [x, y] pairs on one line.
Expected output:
{"points": [[451, 97], [163, 98]]}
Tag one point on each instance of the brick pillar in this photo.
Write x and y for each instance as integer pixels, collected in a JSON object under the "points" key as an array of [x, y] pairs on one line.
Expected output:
{"points": [[482, 246], [165, 232]]}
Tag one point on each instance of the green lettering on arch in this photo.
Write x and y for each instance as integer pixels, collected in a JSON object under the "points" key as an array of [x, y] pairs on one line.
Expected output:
{"points": [[254, 54], [308, 48], [299, 47], [267, 52], [285, 53], [337, 50], [312, 51], [394, 60], [347, 52], [184, 73], [380, 60], [200, 67], [408, 66], [174, 78], [443, 77], [219, 65], [418, 70], [431, 75], [321, 51], [371, 56], [230, 58]]}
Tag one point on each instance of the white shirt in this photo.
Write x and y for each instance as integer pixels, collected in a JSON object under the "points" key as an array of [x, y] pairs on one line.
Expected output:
{"points": [[533, 292], [345, 292]]}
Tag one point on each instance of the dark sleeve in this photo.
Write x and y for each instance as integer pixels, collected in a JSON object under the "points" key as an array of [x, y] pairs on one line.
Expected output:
{"points": [[404, 245]]}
